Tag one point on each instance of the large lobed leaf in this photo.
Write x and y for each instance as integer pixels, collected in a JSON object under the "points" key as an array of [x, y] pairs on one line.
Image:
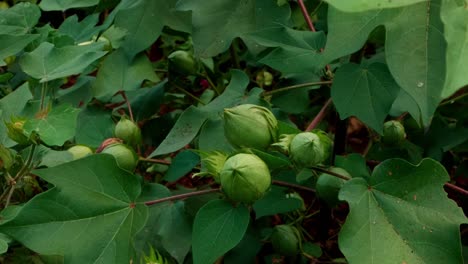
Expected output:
{"points": [[401, 215], [364, 5], [454, 14], [215, 25], [415, 47], [89, 217]]}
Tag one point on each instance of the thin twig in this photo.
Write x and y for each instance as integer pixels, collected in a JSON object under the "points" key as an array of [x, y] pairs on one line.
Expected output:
{"points": [[456, 188], [330, 173], [296, 86], [292, 185], [181, 196], [319, 117], [305, 13], [129, 107], [189, 94], [159, 161]]}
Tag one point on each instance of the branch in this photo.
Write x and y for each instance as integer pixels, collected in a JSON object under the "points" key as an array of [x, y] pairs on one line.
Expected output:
{"points": [[319, 117], [292, 185], [181, 196], [296, 86], [456, 188], [331, 173]]}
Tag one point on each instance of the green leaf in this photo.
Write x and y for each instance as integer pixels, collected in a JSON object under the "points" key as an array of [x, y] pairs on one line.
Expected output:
{"points": [[118, 73], [19, 19], [295, 51], [48, 62], [273, 161], [212, 137], [145, 20], [364, 91], [217, 24], [402, 215], [89, 217], [10, 106], [12, 44], [415, 54], [62, 5], [246, 251], [353, 163], [82, 30], [169, 225], [455, 17], [364, 5], [147, 103], [182, 164], [93, 126], [56, 127], [218, 227], [185, 129], [192, 119], [3, 246], [276, 202], [442, 137]]}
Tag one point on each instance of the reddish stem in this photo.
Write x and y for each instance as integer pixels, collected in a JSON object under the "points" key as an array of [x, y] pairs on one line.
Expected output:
{"points": [[292, 185], [305, 13], [456, 188], [159, 161], [181, 196], [124, 96], [319, 117]]}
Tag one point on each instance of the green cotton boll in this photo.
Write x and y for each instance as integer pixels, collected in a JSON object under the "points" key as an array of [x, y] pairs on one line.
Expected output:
{"points": [[328, 186], [183, 62], [393, 133], [325, 141], [286, 240], [307, 150], [126, 157], [128, 131], [80, 151], [250, 126], [245, 178]]}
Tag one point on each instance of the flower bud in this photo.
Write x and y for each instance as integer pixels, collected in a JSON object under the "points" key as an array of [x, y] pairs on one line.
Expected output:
{"points": [[284, 143], [183, 62], [211, 164], [128, 131], [250, 126], [80, 151], [308, 149], [393, 133], [16, 132], [245, 178], [328, 186], [126, 158], [286, 240]]}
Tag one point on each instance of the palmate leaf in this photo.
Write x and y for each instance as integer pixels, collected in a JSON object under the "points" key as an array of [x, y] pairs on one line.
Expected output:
{"points": [[364, 5], [365, 91], [455, 17], [56, 126], [88, 217], [415, 47], [49, 63], [401, 215], [217, 24]]}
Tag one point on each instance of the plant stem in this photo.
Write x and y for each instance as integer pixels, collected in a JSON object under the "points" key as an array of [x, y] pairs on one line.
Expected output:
{"points": [[234, 57], [451, 101], [306, 15], [129, 107], [319, 117], [182, 196], [296, 86], [319, 169], [159, 161], [456, 188], [43, 95], [189, 94], [292, 185]]}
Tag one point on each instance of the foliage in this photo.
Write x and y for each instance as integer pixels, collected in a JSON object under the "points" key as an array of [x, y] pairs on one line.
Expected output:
{"points": [[191, 131]]}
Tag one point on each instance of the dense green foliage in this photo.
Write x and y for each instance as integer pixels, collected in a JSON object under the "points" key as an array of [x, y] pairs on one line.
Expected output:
{"points": [[233, 131]]}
